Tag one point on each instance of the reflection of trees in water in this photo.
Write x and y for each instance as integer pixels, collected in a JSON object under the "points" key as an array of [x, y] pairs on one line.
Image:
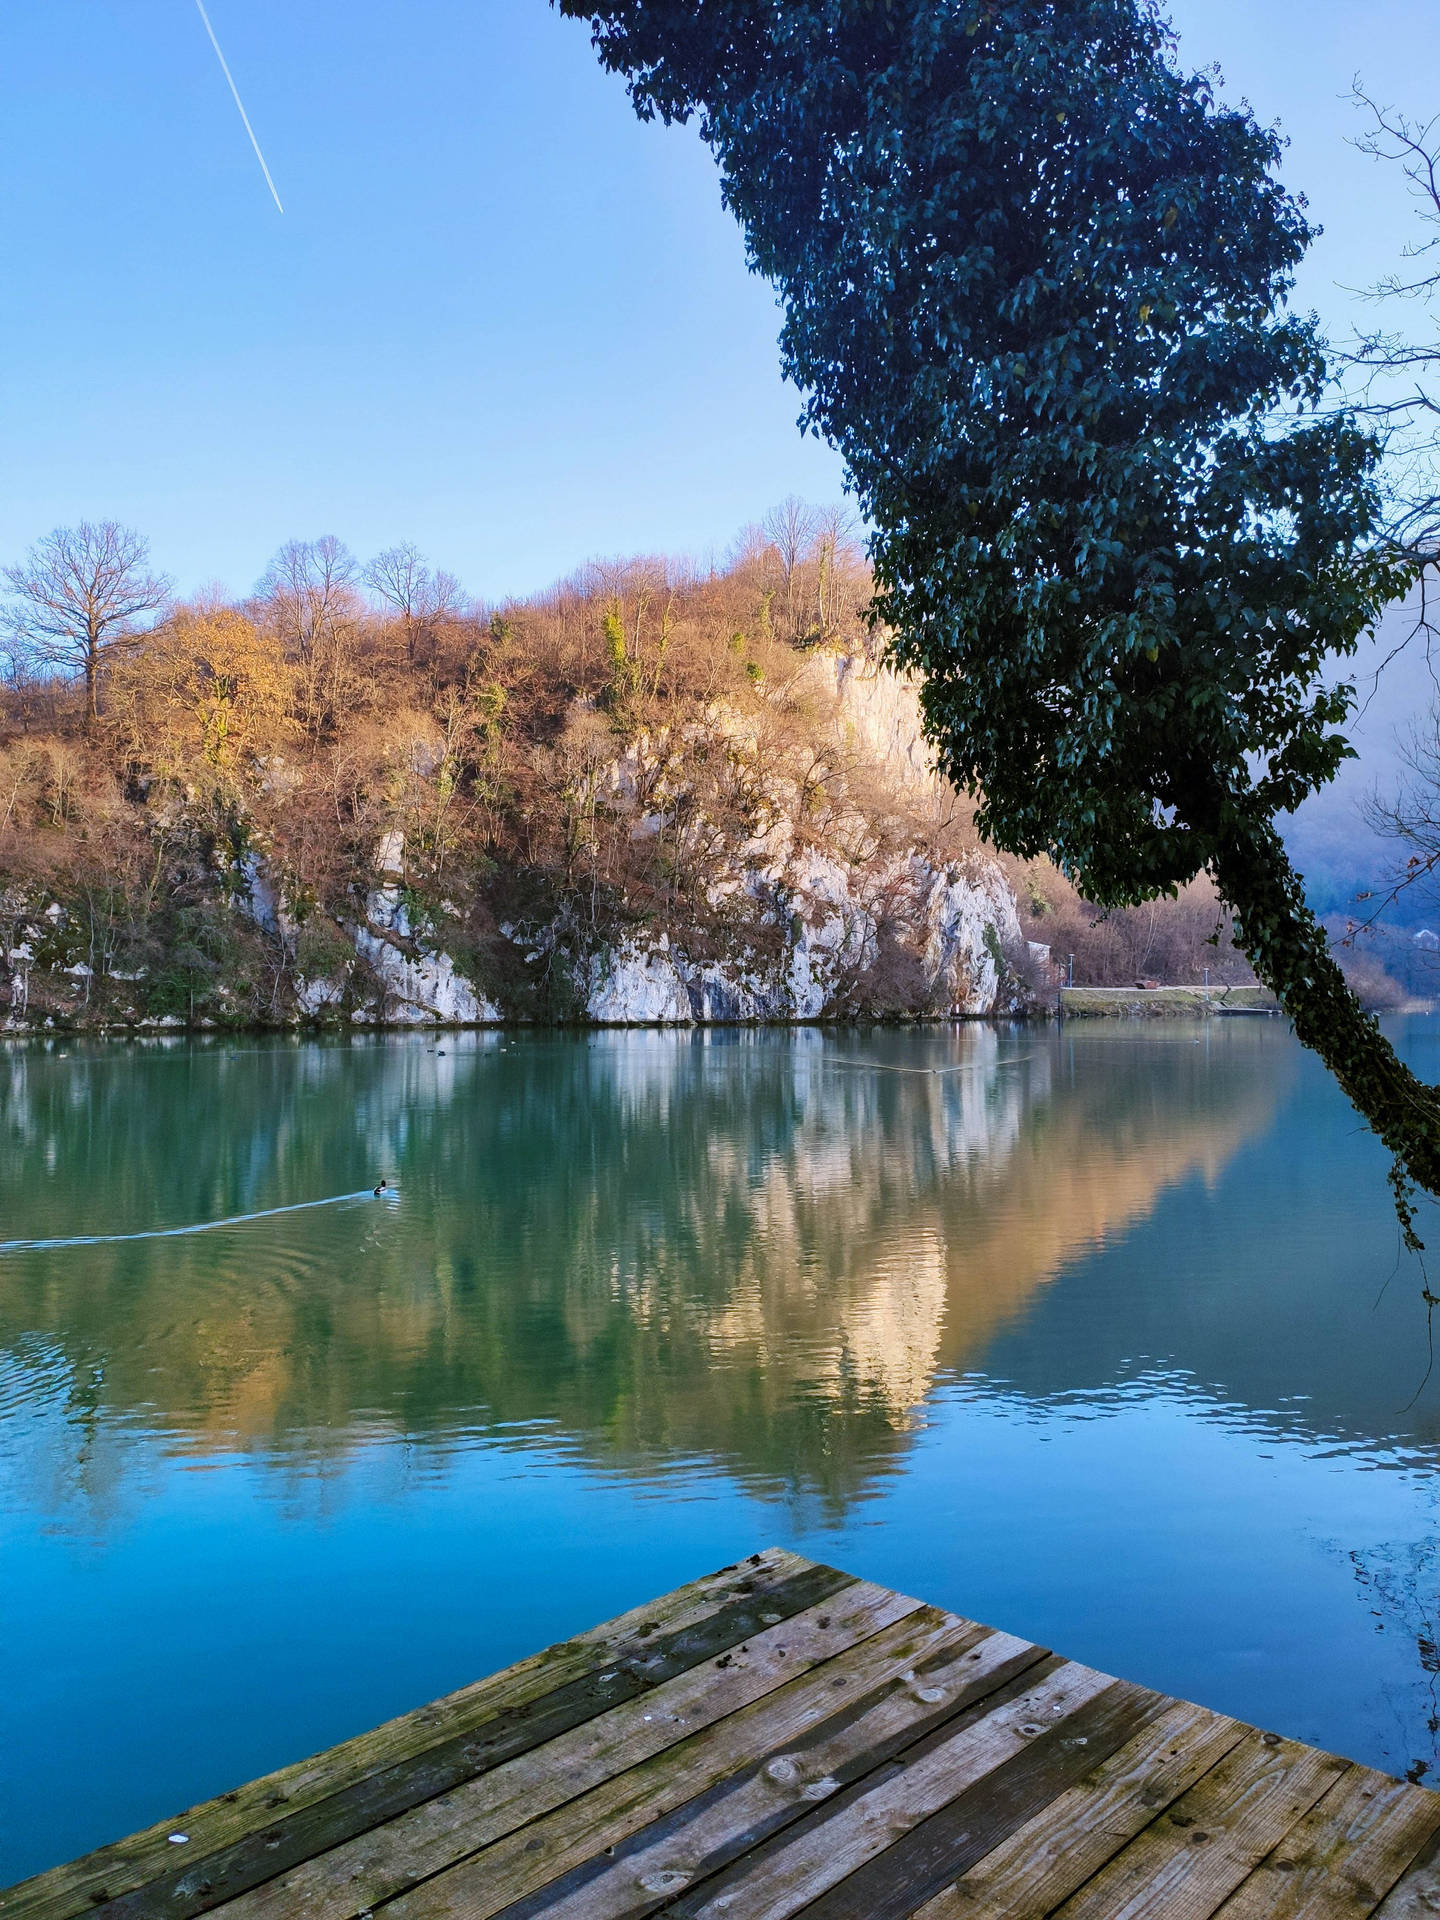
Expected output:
{"points": [[742, 1247], [1401, 1585]]}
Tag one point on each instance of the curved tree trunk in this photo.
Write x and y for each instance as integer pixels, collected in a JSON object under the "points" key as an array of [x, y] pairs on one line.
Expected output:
{"points": [[92, 674], [1287, 947]]}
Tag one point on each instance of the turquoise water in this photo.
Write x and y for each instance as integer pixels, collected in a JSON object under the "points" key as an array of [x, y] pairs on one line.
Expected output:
{"points": [[1099, 1334]]}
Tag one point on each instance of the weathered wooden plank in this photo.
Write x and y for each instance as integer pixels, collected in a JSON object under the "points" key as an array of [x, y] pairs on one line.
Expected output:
{"points": [[903, 1876], [196, 1888], [77, 1885], [764, 1769], [793, 1870], [1046, 1859], [116, 1870], [387, 1859], [1340, 1860], [1416, 1895], [1188, 1862], [782, 1742]]}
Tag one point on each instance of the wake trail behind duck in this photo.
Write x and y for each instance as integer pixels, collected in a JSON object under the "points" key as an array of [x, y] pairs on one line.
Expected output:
{"points": [[175, 1233]]}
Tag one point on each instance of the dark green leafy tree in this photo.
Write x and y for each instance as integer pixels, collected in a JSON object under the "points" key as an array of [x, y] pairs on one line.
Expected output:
{"points": [[1035, 281]]}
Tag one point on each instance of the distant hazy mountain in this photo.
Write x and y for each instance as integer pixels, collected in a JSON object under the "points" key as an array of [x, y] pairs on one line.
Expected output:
{"points": [[1328, 837]]}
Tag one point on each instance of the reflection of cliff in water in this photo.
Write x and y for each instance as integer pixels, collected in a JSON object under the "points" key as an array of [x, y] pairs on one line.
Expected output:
{"points": [[755, 1248], [1276, 1291]]}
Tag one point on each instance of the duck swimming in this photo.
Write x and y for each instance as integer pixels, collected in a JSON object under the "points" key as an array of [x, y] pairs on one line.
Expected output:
{"points": [[383, 1187]]}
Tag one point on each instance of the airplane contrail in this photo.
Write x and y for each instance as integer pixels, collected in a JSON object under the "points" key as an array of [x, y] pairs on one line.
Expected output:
{"points": [[235, 91]]}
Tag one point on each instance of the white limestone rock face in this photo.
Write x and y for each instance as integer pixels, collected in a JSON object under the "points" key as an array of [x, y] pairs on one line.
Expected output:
{"points": [[879, 711], [390, 854], [731, 994], [969, 922], [314, 997], [628, 986], [420, 984], [843, 918], [426, 989], [956, 922], [259, 897], [833, 932]]}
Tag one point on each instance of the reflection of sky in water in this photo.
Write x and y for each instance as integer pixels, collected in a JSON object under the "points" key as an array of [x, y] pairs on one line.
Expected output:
{"points": [[1083, 1333]]}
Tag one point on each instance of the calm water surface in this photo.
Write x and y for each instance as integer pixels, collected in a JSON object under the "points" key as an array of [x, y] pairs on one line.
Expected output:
{"points": [[1097, 1334]]}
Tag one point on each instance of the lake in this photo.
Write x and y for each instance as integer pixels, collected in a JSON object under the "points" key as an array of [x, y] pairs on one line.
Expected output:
{"points": [[1101, 1334]]}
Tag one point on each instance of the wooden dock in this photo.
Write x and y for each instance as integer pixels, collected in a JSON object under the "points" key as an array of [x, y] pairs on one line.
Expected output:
{"points": [[780, 1739]]}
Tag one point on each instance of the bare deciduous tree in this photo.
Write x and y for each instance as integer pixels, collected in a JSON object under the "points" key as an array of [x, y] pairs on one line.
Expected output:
{"points": [[77, 598], [419, 596], [1410, 817], [1400, 393], [835, 561], [308, 589], [1400, 368], [791, 528], [309, 599]]}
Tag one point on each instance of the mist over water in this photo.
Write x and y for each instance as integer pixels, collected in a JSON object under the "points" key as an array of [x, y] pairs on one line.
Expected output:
{"points": [[1097, 1334]]}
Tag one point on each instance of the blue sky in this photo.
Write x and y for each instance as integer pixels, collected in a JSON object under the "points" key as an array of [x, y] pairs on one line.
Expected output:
{"points": [[498, 317]]}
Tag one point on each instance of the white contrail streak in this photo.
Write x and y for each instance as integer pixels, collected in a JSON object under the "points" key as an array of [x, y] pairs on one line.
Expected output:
{"points": [[235, 92]]}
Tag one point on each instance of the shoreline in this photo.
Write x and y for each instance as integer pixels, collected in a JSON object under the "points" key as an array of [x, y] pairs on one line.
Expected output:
{"points": [[172, 1027], [1188, 1003], [1165, 1003], [1145, 1004]]}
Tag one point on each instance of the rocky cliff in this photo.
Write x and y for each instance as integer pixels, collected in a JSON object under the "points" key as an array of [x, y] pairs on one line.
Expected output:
{"points": [[790, 856], [788, 923]]}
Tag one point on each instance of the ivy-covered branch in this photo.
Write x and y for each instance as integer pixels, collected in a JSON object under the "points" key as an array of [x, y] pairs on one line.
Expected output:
{"points": [[1289, 951]]}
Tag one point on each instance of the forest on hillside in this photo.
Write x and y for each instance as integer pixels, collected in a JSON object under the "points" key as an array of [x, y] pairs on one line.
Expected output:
{"points": [[581, 759]]}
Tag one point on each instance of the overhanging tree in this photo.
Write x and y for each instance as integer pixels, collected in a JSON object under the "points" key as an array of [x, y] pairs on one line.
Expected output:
{"points": [[1035, 281]]}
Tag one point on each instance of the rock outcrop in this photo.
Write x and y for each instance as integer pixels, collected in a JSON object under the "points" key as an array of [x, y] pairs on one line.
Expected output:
{"points": [[818, 927], [954, 926], [406, 981], [814, 867]]}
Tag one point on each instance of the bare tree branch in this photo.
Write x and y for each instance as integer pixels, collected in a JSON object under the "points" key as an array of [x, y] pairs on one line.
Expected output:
{"points": [[791, 528], [421, 598], [78, 595], [1396, 376]]}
